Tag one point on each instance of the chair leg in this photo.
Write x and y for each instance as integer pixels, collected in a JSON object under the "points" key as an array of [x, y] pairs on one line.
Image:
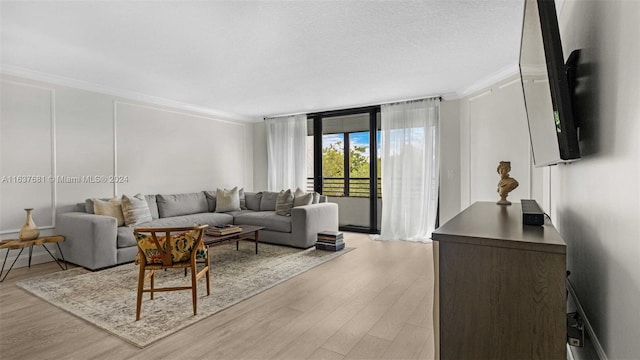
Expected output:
{"points": [[140, 288], [194, 290], [153, 283], [208, 276]]}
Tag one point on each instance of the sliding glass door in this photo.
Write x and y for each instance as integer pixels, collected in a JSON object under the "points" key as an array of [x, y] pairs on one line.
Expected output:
{"points": [[344, 146]]}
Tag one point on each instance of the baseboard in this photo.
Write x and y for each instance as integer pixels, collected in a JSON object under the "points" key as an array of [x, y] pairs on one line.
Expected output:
{"points": [[569, 353], [587, 325]]}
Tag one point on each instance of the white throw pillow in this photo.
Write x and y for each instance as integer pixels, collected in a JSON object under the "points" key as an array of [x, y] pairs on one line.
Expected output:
{"points": [[111, 207], [243, 201], [301, 198], [316, 196], [227, 200]]}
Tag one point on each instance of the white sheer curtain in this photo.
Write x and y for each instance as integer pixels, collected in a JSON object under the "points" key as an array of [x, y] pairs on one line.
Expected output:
{"points": [[410, 169], [286, 152]]}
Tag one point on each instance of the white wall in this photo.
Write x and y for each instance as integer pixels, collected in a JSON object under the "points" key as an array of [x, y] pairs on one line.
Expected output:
{"points": [[51, 130], [493, 128], [355, 210], [596, 200], [449, 159]]}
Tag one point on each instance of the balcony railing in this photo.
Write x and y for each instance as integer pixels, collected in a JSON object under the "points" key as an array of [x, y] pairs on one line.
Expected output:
{"points": [[352, 187]]}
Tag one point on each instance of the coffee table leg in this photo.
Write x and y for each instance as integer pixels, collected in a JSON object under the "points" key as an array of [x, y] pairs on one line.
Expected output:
{"points": [[10, 267], [61, 254], [237, 245], [54, 258]]}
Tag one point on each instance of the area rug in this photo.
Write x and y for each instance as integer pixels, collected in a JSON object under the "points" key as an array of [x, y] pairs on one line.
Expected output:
{"points": [[107, 298]]}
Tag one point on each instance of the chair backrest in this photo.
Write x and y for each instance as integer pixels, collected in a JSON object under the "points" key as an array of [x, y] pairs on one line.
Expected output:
{"points": [[167, 246]]}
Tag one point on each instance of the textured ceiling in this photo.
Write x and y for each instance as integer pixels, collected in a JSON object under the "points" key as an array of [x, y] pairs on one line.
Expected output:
{"points": [[249, 59]]}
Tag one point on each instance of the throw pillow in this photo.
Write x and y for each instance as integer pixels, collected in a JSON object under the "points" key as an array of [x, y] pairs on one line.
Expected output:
{"points": [[211, 200], [253, 200], [135, 210], [181, 247], [181, 204], [111, 207], [227, 200], [243, 200], [153, 206], [88, 205], [268, 201], [284, 203], [300, 198]]}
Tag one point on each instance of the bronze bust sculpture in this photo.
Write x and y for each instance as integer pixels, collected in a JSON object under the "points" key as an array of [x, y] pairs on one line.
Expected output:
{"points": [[506, 183]]}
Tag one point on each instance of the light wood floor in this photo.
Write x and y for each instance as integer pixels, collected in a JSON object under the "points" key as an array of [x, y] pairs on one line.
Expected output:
{"points": [[372, 303]]}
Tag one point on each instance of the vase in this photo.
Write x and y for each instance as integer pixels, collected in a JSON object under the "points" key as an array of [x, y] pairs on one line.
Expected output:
{"points": [[29, 230]]}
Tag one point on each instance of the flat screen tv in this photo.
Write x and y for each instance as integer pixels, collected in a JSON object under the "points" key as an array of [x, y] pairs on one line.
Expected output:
{"points": [[553, 132]]}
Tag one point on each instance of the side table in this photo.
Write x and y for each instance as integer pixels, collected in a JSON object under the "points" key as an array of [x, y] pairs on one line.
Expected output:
{"points": [[11, 244]]}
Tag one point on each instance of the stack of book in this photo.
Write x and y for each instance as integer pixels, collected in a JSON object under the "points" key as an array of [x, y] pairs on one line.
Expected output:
{"points": [[220, 230], [330, 240]]}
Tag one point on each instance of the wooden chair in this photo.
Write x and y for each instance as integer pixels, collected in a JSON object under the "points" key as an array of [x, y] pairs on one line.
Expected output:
{"points": [[170, 248]]}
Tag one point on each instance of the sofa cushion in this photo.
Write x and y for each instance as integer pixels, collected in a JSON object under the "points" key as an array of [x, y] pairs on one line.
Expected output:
{"points": [[227, 200], [125, 237], [252, 200], [88, 205], [135, 210], [269, 219], [153, 206], [206, 218], [181, 204], [111, 207], [211, 200], [284, 203], [239, 212], [268, 201]]}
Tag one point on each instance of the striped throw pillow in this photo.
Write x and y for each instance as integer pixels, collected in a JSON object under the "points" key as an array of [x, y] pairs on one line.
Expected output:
{"points": [[284, 203], [135, 210]]}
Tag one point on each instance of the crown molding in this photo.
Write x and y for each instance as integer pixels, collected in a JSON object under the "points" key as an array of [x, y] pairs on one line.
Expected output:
{"points": [[121, 93], [450, 96], [489, 80]]}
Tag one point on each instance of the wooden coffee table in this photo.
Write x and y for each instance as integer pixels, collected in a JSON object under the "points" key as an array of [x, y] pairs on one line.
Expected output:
{"points": [[249, 232]]}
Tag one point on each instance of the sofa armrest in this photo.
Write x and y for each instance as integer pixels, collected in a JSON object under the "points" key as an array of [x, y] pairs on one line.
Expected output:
{"points": [[90, 240], [307, 221]]}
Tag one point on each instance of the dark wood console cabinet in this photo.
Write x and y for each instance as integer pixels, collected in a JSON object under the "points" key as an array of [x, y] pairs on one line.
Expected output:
{"points": [[501, 286]]}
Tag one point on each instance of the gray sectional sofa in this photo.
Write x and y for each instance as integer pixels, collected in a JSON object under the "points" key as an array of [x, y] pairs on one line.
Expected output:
{"points": [[95, 241]]}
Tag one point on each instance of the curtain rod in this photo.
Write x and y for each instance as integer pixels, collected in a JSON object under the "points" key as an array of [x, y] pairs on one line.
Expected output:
{"points": [[355, 107]]}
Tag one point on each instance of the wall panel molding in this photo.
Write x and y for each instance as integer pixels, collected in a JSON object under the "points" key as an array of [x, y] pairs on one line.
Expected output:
{"points": [[488, 131], [52, 175], [236, 158]]}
